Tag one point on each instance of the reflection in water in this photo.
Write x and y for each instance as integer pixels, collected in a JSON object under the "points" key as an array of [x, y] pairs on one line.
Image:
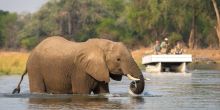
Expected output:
{"points": [[137, 100], [197, 90], [68, 103], [81, 102]]}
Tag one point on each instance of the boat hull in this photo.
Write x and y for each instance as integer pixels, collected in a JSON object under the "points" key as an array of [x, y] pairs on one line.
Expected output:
{"points": [[166, 63]]}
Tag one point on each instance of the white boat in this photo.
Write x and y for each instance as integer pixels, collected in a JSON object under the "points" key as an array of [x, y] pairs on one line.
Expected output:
{"points": [[166, 62]]}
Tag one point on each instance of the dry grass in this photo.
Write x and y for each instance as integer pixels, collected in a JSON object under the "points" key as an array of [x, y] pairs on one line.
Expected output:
{"points": [[212, 54], [12, 62]]}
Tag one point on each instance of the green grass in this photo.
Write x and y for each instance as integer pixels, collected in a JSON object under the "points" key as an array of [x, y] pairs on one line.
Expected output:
{"points": [[12, 62]]}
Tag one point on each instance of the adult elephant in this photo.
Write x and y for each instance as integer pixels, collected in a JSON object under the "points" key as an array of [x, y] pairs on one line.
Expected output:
{"points": [[60, 66]]}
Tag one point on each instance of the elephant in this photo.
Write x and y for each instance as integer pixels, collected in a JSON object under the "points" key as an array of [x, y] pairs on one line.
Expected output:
{"points": [[60, 66]]}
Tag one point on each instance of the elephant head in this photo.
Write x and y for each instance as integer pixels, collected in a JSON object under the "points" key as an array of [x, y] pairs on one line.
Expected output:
{"points": [[119, 62]]}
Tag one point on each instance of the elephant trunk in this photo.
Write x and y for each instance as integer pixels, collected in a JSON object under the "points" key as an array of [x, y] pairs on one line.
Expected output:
{"points": [[137, 86], [134, 73]]}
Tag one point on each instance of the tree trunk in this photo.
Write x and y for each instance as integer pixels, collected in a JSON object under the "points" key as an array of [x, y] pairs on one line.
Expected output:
{"points": [[69, 23], [61, 25], [192, 39], [218, 20], [11, 33]]}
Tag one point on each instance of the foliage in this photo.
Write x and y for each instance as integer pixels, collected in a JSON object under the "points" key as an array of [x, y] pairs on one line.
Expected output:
{"points": [[2, 17], [174, 38], [134, 22], [8, 29]]}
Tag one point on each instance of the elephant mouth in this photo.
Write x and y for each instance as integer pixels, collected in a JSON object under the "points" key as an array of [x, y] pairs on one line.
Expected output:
{"points": [[116, 77]]}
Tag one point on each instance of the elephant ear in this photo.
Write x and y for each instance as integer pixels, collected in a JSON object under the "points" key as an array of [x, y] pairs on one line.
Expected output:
{"points": [[95, 65]]}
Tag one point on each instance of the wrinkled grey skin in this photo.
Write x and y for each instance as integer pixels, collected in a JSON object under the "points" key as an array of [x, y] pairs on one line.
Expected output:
{"points": [[60, 66]]}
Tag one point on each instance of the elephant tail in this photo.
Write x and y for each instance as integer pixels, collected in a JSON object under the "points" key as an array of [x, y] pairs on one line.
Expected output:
{"points": [[17, 89]]}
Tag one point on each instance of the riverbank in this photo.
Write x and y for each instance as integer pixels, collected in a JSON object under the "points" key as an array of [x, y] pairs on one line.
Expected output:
{"points": [[15, 62], [12, 62]]}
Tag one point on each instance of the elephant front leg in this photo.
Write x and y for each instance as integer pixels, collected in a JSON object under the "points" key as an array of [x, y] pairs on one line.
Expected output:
{"points": [[101, 88], [83, 84]]}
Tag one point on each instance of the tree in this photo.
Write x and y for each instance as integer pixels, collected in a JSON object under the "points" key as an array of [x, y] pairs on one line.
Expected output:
{"points": [[134, 22], [8, 30], [2, 23], [217, 27]]}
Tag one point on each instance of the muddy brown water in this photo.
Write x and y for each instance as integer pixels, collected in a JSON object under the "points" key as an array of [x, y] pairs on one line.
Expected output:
{"points": [[197, 90]]}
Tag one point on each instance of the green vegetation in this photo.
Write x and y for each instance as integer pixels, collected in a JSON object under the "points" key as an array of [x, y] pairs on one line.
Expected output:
{"points": [[134, 22]]}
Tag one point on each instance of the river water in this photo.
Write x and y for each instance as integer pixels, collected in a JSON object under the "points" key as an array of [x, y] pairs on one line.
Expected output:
{"points": [[197, 90]]}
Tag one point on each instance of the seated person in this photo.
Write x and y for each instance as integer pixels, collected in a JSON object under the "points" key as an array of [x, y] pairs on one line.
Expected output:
{"points": [[157, 48], [165, 46], [178, 48]]}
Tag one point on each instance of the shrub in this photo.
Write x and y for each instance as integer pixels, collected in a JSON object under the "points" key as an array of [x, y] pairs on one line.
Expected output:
{"points": [[174, 37]]}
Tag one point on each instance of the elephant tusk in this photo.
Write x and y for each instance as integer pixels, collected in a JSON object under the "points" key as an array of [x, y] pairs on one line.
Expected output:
{"points": [[147, 79], [132, 78]]}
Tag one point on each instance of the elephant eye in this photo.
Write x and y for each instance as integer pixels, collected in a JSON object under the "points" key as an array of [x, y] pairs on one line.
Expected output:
{"points": [[118, 59]]}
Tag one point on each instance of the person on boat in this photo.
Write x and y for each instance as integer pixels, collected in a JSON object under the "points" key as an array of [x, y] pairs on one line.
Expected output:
{"points": [[157, 48], [178, 48], [165, 46]]}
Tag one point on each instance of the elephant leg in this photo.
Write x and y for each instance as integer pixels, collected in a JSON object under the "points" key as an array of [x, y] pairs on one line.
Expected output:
{"points": [[101, 88], [83, 83], [36, 83]]}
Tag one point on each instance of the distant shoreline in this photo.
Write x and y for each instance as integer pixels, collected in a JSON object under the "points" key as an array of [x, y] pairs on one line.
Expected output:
{"points": [[14, 62]]}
